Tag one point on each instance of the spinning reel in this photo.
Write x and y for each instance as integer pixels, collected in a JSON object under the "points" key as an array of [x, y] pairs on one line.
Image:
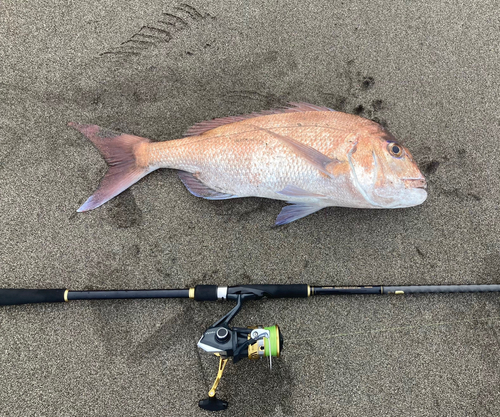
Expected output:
{"points": [[237, 343]]}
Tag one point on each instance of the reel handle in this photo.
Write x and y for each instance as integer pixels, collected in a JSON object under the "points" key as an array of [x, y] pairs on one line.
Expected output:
{"points": [[16, 296]]}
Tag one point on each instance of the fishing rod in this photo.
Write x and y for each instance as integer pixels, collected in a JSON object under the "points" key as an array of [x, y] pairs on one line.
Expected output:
{"points": [[220, 339]]}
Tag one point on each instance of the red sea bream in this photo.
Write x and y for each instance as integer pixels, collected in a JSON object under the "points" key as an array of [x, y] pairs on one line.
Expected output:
{"points": [[310, 156]]}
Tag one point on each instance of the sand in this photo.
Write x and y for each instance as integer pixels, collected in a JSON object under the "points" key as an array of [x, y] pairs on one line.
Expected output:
{"points": [[427, 71]]}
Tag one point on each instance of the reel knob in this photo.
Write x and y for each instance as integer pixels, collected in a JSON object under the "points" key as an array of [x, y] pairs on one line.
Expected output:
{"points": [[213, 404], [222, 334]]}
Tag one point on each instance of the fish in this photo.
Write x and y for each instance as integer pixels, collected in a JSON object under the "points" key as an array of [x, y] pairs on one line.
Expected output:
{"points": [[307, 155]]}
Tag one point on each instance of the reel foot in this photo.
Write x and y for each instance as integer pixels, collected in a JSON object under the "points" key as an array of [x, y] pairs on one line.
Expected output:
{"points": [[213, 404]]}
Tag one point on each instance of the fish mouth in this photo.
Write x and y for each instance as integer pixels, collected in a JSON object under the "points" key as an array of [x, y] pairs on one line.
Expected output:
{"points": [[415, 183]]}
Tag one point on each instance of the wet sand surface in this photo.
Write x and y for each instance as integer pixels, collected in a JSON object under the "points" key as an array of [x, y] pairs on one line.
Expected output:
{"points": [[429, 72]]}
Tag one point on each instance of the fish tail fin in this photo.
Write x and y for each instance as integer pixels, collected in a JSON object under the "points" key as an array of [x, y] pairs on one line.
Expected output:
{"points": [[126, 159]]}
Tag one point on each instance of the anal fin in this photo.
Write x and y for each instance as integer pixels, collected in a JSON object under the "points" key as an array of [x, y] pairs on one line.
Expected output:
{"points": [[198, 189]]}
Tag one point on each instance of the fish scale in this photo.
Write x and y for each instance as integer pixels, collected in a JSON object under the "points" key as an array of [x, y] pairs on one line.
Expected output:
{"points": [[252, 163]]}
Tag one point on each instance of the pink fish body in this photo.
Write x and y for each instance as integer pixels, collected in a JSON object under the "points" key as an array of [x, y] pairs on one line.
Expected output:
{"points": [[309, 156]]}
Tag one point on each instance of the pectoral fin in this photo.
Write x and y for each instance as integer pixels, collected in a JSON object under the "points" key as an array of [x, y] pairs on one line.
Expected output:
{"points": [[296, 211], [319, 160], [294, 191]]}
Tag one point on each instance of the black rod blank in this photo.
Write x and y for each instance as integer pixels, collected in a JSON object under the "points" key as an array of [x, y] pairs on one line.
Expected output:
{"points": [[345, 290], [408, 289], [412, 289]]}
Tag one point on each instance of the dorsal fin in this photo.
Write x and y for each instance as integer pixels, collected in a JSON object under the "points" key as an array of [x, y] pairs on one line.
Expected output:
{"points": [[293, 107]]}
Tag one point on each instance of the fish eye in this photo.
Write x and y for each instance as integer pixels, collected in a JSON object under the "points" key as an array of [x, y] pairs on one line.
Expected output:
{"points": [[395, 149]]}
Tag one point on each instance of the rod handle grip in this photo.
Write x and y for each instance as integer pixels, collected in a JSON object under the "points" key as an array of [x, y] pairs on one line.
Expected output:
{"points": [[16, 296]]}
